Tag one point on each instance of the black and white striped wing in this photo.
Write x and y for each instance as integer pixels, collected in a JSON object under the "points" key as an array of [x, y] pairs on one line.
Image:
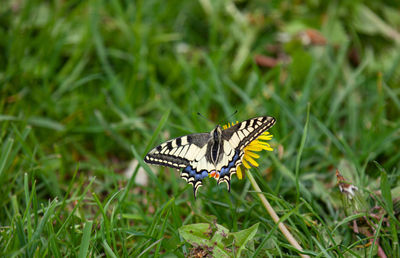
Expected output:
{"points": [[187, 153], [239, 136], [178, 152]]}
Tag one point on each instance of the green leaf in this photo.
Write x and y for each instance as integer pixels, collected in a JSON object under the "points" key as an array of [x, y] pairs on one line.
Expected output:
{"points": [[204, 234], [243, 237], [220, 234], [196, 233]]}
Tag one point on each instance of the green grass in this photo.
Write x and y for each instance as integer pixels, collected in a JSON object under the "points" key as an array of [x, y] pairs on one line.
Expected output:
{"points": [[85, 87]]}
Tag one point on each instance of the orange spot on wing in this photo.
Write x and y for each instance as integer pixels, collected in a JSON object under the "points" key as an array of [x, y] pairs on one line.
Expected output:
{"points": [[214, 174]]}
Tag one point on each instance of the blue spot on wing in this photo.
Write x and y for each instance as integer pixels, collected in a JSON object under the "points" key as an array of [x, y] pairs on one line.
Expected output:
{"points": [[225, 170], [197, 175], [204, 173]]}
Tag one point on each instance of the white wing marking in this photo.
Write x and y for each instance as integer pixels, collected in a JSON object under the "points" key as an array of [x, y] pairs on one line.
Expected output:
{"points": [[184, 150], [173, 152], [241, 134], [178, 152], [234, 140], [193, 152], [201, 153], [184, 140]]}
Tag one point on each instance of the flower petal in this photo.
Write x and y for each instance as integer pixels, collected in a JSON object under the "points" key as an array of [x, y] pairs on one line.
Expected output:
{"points": [[252, 154], [246, 165], [264, 143], [239, 173], [251, 160], [266, 146], [265, 137], [253, 148]]}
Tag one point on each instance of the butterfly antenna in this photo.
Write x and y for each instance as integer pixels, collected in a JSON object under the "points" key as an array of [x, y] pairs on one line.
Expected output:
{"points": [[234, 113], [228, 117], [198, 113]]}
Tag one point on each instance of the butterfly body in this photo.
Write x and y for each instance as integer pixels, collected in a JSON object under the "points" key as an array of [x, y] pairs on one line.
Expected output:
{"points": [[216, 154]]}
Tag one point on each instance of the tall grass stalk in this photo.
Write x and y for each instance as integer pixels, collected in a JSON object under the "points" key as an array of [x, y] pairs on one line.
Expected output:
{"points": [[274, 216]]}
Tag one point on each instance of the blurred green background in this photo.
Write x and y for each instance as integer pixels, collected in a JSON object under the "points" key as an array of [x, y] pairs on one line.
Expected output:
{"points": [[87, 87]]}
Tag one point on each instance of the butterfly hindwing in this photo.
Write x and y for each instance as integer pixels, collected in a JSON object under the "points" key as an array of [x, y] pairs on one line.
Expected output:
{"points": [[228, 165]]}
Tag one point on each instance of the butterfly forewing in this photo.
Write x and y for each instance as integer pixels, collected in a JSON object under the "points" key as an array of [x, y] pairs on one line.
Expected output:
{"points": [[242, 134], [178, 152]]}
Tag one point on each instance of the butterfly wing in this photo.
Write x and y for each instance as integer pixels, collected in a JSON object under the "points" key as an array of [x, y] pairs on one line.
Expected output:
{"points": [[178, 152], [187, 153], [238, 137]]}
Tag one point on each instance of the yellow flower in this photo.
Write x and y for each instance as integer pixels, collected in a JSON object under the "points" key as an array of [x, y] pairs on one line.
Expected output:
{"points": [[249, 158]]}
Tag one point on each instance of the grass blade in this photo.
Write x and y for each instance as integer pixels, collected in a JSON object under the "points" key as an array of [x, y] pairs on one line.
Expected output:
{"points": [[83, 249], [156, 133], [6, 149], [300, 152]]}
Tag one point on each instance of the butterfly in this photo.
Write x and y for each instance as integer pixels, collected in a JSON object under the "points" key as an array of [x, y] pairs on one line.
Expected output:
{"points": [[216, 154]]}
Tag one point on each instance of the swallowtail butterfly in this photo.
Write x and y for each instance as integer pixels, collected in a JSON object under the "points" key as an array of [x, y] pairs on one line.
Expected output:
{"points": [[217, 153]]}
